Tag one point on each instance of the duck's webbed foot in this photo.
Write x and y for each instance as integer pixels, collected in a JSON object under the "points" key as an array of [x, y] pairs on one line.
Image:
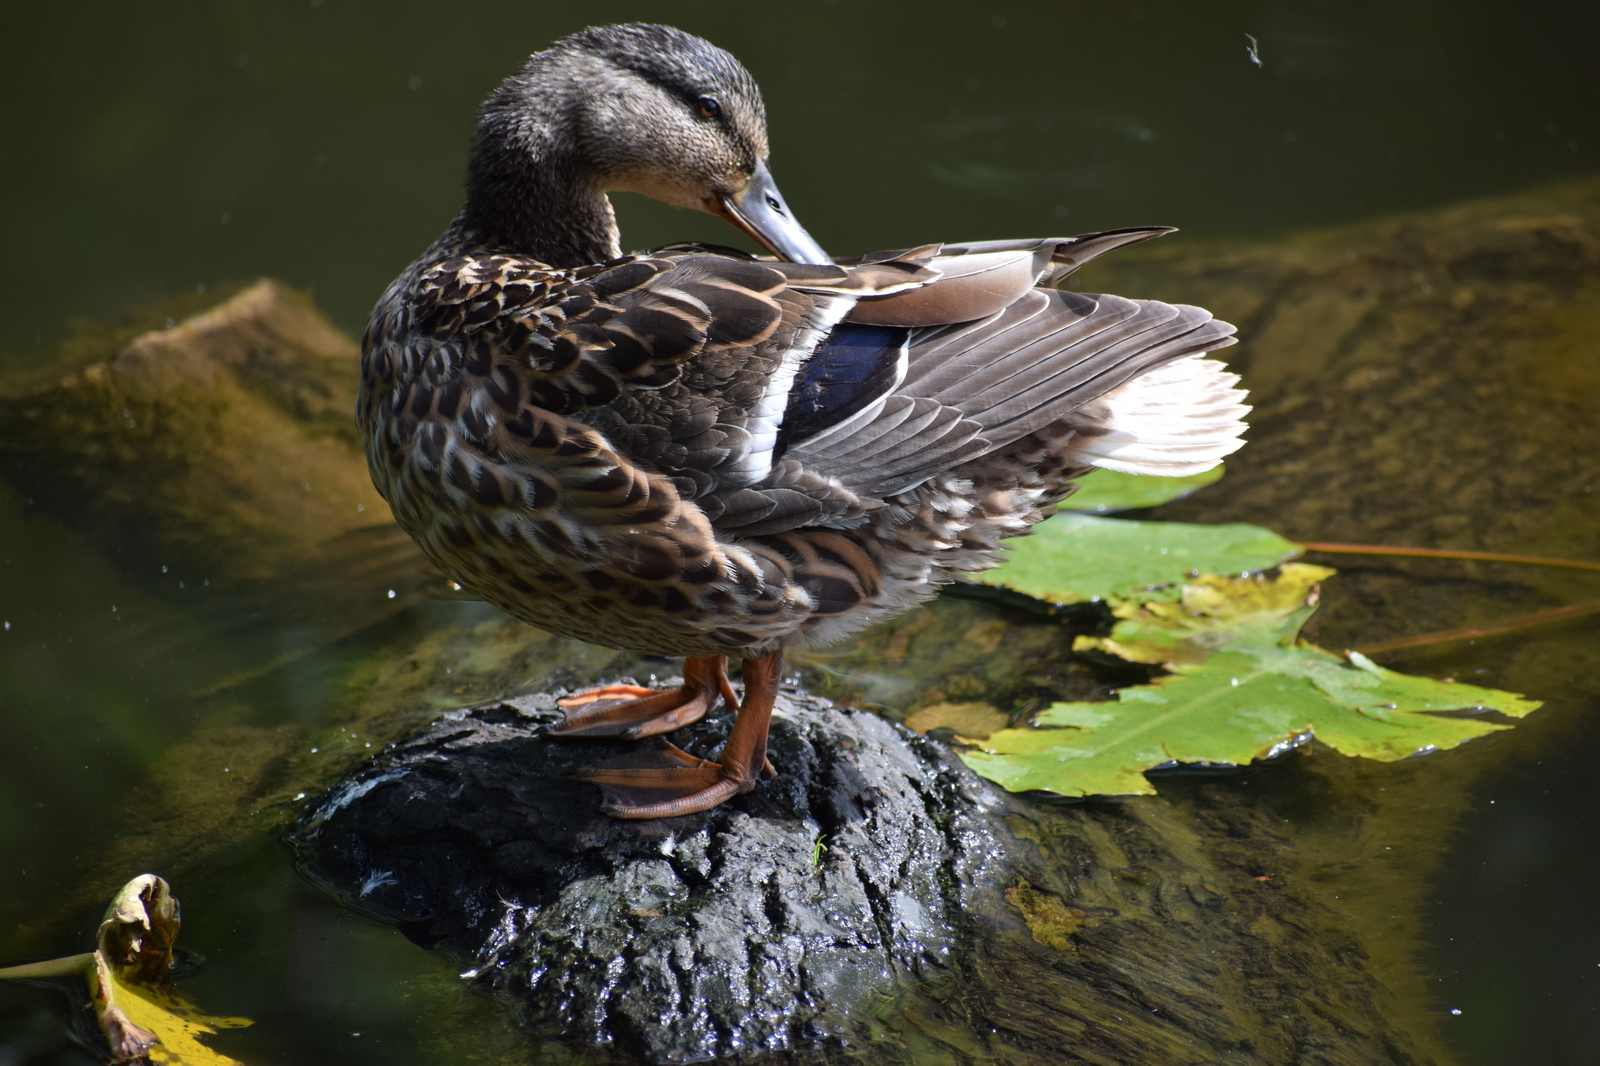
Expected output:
{"points": [[659, 782], [631, 712], [664, 780]]}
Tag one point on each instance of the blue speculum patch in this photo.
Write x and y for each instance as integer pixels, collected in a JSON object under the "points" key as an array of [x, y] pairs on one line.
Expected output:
{"points": [[852, 367]]}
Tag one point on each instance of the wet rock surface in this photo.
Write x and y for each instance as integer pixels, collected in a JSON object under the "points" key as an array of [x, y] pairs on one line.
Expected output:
{"points": [[877, 898], [874, 859]]}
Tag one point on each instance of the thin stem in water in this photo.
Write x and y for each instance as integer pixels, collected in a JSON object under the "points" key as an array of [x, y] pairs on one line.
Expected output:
{"points": [[1447, 553], [1510, 625]]}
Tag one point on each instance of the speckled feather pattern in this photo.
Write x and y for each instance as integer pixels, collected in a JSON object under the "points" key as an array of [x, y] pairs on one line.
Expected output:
{"points": [[476, 371], [580, 447]]}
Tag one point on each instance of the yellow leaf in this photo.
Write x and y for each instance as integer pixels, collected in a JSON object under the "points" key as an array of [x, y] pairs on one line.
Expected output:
{"points": [[174, 1022]]}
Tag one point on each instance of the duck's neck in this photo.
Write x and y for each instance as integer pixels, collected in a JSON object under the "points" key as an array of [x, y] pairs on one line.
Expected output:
{"points": [[528, 192]]}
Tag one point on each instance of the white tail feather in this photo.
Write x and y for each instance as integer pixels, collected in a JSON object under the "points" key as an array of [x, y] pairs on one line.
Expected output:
{"points": [[1180, 418]]}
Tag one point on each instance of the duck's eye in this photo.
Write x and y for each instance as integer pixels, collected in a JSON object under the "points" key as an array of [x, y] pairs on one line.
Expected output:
{"points": [[708, 107]]}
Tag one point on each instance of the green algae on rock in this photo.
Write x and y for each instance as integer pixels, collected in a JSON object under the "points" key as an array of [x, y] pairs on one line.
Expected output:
{"points": [[224, 438], [1050, 921]]}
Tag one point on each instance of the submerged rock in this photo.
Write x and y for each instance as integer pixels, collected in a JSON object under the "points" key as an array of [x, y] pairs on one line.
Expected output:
{"points": [[767, 924]]}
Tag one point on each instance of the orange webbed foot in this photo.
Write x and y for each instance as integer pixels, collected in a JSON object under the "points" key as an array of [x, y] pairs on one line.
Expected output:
{"points": [[661, 781], [632, 712], [664, 781]]}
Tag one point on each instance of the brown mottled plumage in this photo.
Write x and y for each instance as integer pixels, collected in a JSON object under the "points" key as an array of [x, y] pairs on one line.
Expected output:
{"points": [[698, 453]]}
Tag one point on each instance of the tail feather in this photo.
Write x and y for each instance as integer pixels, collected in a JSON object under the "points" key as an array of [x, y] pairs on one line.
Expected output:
{"points": [[1178, 419]]}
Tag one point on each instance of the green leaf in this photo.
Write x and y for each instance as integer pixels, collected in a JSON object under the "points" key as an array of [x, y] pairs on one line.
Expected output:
{"points": [[1241, 686], [1112, 490], [1075, 557]]}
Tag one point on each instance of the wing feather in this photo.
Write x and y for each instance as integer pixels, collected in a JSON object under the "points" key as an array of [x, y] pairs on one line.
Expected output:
{"points": [[972, 387]]}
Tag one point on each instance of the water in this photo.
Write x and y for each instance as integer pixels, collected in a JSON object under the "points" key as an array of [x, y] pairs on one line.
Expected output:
{"points": [[892, 124], [153, 151]]}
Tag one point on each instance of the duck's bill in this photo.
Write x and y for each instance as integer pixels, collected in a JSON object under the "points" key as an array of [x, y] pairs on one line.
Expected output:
{"points": [[759, 210]]}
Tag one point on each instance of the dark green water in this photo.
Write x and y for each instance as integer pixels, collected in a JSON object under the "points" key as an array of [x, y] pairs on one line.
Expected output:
{"points": [[156, 148]]}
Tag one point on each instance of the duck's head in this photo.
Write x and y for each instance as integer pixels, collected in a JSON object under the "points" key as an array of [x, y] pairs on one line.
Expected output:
{"points": [[640, 108]]}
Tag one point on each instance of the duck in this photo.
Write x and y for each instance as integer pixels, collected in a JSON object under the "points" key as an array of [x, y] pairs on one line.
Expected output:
{"points": [[699, 452]]}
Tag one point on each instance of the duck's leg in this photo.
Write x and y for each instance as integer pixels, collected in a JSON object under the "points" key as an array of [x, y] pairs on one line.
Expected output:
{"points": [[631, 712], [665, 781]]}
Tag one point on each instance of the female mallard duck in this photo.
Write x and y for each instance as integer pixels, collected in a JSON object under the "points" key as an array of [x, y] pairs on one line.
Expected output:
{"points": [[695, 452]]}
